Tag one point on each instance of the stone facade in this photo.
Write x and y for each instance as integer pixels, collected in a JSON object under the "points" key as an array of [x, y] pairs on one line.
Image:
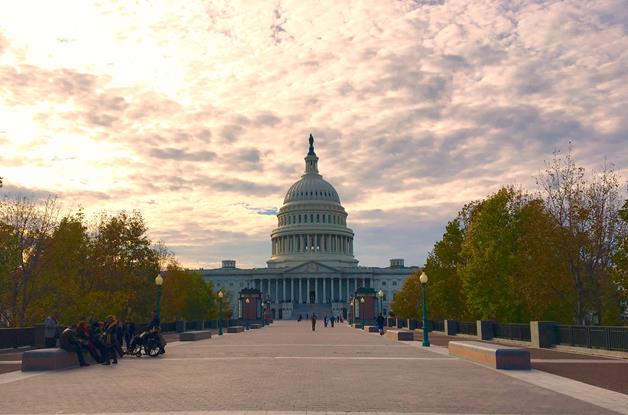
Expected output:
{"points": [[312, 267]]}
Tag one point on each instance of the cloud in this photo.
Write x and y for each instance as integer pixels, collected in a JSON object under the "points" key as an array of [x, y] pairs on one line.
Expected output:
{"points": [[181, 155], [200, 116]]}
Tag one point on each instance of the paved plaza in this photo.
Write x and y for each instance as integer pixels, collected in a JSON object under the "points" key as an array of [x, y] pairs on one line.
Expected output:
{"points": [[288, 368]]}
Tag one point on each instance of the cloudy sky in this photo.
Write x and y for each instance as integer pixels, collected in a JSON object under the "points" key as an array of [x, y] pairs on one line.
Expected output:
{"points": [[198, 112]]}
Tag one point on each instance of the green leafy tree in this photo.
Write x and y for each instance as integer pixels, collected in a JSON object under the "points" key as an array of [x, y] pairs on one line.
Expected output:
{"points": [[490, 258], [447, 298], [407, 302]]}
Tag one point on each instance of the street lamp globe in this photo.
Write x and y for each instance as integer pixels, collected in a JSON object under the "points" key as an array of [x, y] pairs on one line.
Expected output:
{"points": [[380, 293], [220, 294], [361, 300], [159, 280], [247, 300], [423, 278]]}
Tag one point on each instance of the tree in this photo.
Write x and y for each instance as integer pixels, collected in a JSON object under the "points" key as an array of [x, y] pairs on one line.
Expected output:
{"points": [[407, 302], [586, 211], [447, 297], [490, 266], [29, 224]]}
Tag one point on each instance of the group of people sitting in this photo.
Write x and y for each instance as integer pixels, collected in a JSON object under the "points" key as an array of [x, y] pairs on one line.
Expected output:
{"points": [[103, 340]]}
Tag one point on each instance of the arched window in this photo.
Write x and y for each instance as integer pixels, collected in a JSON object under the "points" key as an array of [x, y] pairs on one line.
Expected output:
{"points": [[305, 218], [299, 218], [317, 218], [323, 218], [311, 218]]}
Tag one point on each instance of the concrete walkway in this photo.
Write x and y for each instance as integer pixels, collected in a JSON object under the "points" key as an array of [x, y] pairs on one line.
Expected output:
{"points": [[288, 368]]}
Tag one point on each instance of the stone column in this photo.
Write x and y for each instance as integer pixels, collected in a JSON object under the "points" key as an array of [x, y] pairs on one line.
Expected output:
{"points": [[316, 296], [276, 290], [324, 290], [307, 296], [283, 282], [300, 295]]}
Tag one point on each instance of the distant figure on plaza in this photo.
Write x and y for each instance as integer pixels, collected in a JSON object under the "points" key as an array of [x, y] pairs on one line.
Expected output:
{"points": [[50, 331], [380, 324], [332, 321], [325, 320], [313, 322], [69, 342], [307, 316], [110, 335], [300, 317]]}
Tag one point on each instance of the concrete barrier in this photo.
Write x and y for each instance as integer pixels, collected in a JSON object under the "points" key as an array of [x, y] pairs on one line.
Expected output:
{"points": [[492, 355], [235, 329], [371, 329], [51, 359], [357, 326], [255, 326], [400, 335], [190, 336]]}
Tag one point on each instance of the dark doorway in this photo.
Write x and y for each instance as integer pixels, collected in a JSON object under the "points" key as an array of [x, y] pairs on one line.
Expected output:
{"points": [[312, 297], [273, 313], [344, 313], [281, 314]]}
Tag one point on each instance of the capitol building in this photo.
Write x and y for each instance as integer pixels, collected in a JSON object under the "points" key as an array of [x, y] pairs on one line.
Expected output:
{"points": [[312, 267]]}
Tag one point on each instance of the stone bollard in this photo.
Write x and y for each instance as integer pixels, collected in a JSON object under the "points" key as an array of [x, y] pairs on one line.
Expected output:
{"points": [[543, 333], [451, 327], [484, 329]]}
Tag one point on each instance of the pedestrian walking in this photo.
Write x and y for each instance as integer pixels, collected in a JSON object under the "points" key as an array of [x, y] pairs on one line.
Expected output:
{"points": [[380, 324], [129, 333], [332, 321], [50, 331], [110, 334], [300, 317], [325, 320], [313, 322]]}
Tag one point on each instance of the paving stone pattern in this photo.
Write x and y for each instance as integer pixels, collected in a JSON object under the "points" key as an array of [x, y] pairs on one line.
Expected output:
{"points": [[287, 367]]}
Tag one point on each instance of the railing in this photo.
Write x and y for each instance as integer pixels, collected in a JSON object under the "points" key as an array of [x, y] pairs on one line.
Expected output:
{"points": [[17, 337], [512, 331], [437, 325], [468, 327], [594, 337]]}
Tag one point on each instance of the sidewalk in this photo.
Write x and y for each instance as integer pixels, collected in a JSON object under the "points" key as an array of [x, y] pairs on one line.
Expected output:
{"points": [[287, 367], [604, 372]]}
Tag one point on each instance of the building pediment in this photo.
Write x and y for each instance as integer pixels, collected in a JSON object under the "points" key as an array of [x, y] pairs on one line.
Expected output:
{"points": [[311, 267]]}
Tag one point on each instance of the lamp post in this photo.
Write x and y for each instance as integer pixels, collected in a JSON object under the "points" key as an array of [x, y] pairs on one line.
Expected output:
{"points": [[362, 310], [246, 317], [380, 294], [158, 281], [426, 339], [220, 295], [261, 309]]}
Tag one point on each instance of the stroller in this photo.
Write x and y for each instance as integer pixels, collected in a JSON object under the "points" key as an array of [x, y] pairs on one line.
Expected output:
{"points": [[149, 342]]}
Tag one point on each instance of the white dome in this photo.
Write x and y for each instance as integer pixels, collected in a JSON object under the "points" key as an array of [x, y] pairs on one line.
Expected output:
{"points": [[311, 187], [311, 224]]}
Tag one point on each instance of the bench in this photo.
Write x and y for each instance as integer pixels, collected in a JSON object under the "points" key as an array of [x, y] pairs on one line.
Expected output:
{"points": [[51, 359], [190, 336], [495, 356], [235, 329], [255, 326], [400, 335], [371, 329], [357, 326]]}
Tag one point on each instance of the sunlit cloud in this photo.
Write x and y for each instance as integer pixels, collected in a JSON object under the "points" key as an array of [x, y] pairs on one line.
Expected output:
{"points": [[198, 113]]}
